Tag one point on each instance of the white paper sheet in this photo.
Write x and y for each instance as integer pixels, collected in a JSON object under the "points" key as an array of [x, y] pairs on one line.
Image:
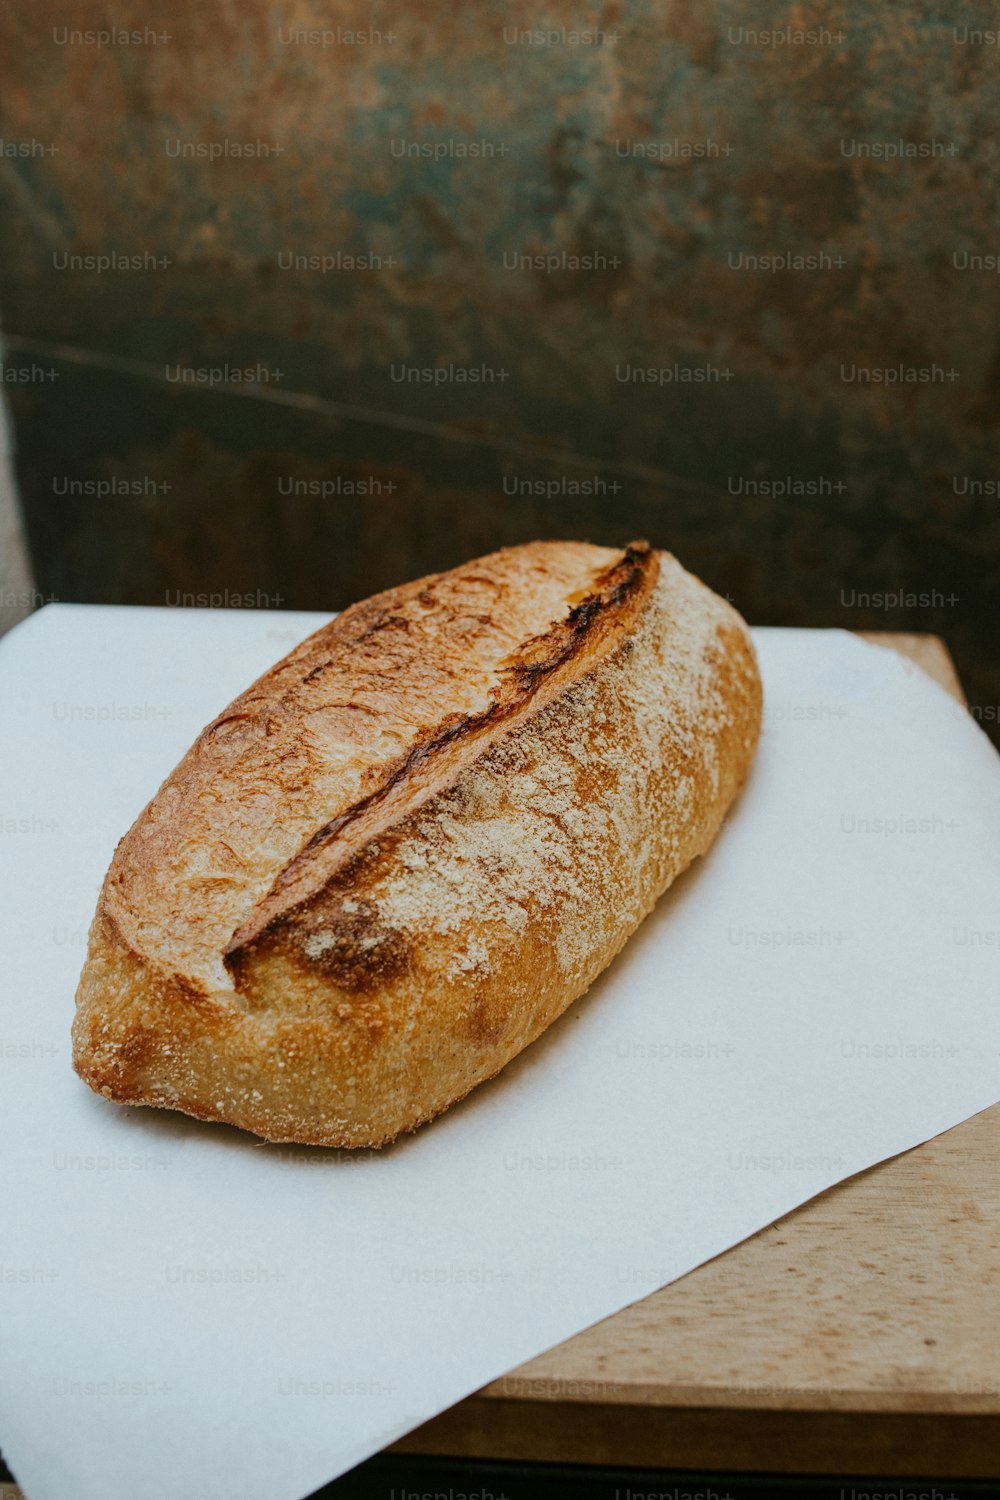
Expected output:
{"points": [[187, 1312]]}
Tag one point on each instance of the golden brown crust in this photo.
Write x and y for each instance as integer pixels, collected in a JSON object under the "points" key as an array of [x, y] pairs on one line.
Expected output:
{"points": [[550, 735], [528, 678]]}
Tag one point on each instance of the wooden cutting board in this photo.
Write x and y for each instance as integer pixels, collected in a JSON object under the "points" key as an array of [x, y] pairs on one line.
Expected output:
{"points": [[861, 1334]]}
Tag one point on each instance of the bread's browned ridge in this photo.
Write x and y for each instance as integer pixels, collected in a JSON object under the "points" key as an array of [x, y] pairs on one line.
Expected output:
{"points": [[624, 583]]}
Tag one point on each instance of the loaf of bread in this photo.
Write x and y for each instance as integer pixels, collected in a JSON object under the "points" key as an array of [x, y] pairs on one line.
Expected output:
{"points": [[394, 860]]}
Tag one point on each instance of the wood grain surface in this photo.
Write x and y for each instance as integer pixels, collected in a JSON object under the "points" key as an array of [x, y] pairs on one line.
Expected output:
{"points": [[860, 1334]]}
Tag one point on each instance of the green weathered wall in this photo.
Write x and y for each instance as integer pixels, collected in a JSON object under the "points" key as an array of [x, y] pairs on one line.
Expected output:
{"points": [[744, 150]]}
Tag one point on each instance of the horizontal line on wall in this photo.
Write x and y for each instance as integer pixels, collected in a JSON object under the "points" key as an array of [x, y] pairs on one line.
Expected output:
{"points": [[346, 412]]}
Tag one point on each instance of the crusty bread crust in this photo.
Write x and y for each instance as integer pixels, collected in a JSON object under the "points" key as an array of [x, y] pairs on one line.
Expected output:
{"points": [[395, 859]]}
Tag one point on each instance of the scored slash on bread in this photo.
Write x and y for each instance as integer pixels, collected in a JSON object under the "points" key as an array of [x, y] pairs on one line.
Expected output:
{"points": [[397, 857]]}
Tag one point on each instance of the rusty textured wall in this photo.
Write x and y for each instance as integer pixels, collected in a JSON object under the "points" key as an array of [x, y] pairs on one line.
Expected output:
{"points": [[815, 431]]}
